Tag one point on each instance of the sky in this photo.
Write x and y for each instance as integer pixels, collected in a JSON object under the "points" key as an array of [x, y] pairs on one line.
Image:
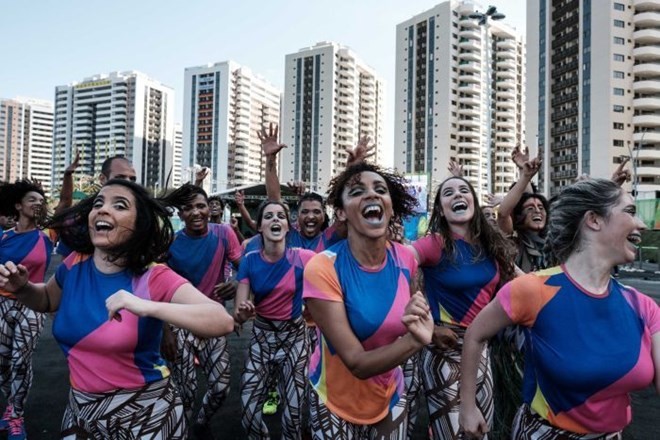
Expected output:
{"points": [[49, 43]]}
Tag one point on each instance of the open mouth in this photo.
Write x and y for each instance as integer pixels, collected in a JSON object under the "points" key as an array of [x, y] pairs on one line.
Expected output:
{"points": [[537, 218], [635, 239], [459, 207], [373, 213], [102, 226]]}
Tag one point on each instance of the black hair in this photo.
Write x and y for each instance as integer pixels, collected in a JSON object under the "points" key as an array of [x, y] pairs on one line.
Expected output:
{"points": [[262, 207], [148, 243], [107, 164], [183, 196], [403, 204], [216, 198], [518, 216], [11, 194], [313, 197]]}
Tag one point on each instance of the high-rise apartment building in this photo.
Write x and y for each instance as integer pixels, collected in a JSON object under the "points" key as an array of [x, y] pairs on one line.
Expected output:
{"points": [[459, 95], [177, 178], [225, 104], [331, 99], [26, 140], [124, 113], [594, 89]]}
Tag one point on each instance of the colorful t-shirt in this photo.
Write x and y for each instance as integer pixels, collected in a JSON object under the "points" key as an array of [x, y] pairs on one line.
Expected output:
{"points": [[295, 239], [107, 355], [277, 286], [202, 260], [32, 249], [375, 300], [584, 352], [457, 289]]}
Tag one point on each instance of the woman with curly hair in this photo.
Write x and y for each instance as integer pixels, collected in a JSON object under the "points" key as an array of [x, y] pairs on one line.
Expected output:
{"points": [[20, 327], [358, 292], [111, 300], [464, 260]]}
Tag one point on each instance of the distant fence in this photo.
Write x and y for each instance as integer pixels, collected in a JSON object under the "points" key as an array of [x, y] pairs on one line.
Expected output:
{"points": [[649, 211]]}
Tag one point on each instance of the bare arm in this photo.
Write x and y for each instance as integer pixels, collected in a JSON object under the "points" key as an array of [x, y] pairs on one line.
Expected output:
{"points": [[270, 147], [243, 308], [240, 202], [655, 351], [332, 320], [40, 297], [189, 309], [200, 175], [504, 220], [361, 152], [488, 322], [66, 193]]}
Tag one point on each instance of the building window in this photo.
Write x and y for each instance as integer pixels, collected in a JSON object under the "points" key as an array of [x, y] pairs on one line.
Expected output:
{"points": [[618, 74], [619, 23], [619, 7], [617, 108], [618, 91], [617, 125], [618, 143], [619, 40], [619, 57]]}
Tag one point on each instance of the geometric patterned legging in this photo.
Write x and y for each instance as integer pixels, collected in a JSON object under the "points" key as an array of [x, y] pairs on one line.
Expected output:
{"points": [[152, 412], [441, 376], [528, 425], [281, 349], [20, 328], [213, 356]]}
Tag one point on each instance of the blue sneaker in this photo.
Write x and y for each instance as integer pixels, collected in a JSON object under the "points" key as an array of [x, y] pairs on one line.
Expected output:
{"points": [[4, 421], [16, 429]]}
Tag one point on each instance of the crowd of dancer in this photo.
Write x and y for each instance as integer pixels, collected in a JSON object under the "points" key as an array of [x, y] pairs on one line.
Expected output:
{"points": [[507, 319]]}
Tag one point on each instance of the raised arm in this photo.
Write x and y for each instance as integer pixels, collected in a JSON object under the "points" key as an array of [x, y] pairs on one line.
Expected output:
{"points": [[509, 202], [66, 193], [361, 152], [488, 322], [200, 175], [332, 320], [270, 146], [240, 202], [621, 174]]}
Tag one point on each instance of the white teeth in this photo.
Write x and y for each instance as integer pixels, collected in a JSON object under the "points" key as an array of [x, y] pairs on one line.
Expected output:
{"points": [[102, 225], [371, 209], [634, 239], [459, 206]]}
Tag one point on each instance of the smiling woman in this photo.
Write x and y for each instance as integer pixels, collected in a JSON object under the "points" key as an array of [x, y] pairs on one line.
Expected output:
{"points": [[117, 235]]}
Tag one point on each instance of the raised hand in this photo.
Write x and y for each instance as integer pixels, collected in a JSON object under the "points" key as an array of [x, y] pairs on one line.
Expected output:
{"points": [[361, 152], [13, 277], [455, 169], [298, 187], [531, 167], [493, 200], [269, 140], [239, 197], [520, 156], [621, 175], [201, 174], [73, 165]]}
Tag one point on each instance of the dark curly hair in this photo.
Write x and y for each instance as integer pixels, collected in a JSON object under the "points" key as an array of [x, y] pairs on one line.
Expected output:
{"points": [[183, 195], [148, 243], [518, 215], [487, 241], [12, 193], [403, 204]]}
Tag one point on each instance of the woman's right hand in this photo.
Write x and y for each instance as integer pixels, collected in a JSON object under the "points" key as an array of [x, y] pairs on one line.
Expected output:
{"points": [[13, 277], [444, 338], [471, 421], [417, 319], [244, 311]]}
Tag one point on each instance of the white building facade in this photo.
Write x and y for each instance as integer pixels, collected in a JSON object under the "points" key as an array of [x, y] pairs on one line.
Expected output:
{"points": [[177, 178], [594, 90], [26, 140], [331, 99], [121, 113], [459, 96], [225, 105]]}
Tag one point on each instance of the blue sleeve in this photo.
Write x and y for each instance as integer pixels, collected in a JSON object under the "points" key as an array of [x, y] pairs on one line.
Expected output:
{"points": [[60, 275]]}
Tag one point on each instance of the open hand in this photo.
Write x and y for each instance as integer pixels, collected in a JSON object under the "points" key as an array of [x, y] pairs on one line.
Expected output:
{"points": [[269, 140]]}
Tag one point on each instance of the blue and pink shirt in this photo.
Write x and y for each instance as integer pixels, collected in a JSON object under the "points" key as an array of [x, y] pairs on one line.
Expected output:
{"points": [[457, 288], [277, 287], [107, 355], [203, 259], [32, 249], [295, 239], [375, 300], [584, 352]]}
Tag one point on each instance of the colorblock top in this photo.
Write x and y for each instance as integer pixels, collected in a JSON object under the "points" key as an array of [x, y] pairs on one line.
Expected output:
{"points": [[32, 249]]}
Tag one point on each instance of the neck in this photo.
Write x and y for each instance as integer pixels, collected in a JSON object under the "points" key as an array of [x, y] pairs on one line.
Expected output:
{"points": [[25, 224], [369, 252], [273, 250], [461, 229], [215, 219], [103, 263], [197, 233], [590, 270]]}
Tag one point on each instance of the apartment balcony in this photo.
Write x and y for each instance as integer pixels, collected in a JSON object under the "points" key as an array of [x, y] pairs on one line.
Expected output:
{"points": [[647, 70], [467, 22], [506, 45], [469, 66], [646, 36], [644, 53], [469, 100], [646, 120], [506, 94], [567, 174], [648, 171], [647, 103], [647, 87], [470, 112], [468, 133], [469, 123], [469, 77], [469, 55], [648, 154], [505, 74], [505, 125], [558, 160], [650, 19], [467, 44], [470, 33], [505, 64], [471, 89], [649, 137], [506, 104], [563, 129], [643, 5], [472, 155]]}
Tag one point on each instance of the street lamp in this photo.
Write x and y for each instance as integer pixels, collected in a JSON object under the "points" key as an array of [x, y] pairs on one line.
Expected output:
{"points": [[483, 19], [634, 163]]}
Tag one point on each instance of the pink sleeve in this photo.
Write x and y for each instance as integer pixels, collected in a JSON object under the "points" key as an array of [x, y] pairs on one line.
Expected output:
{"points": [[320, 279], [234, 249], [407, 258], [163, 282], [429, 249], [649, 311], [504, 297]]}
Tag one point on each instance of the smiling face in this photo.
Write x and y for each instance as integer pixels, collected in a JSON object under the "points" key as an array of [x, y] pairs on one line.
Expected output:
{"points": [[215, 208], [534, 215], [195, 214], [310, 218], [366, 205], [621, 232], [273, 224], [111, 221], [31, 206], [491, 216], [456, 202]]}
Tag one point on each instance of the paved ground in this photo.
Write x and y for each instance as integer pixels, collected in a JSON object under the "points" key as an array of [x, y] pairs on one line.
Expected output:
{"points": [[49, 393]]}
